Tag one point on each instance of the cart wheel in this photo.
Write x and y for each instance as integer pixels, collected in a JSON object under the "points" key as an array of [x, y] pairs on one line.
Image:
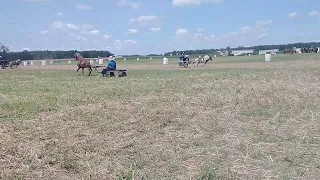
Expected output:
{"points": [[111, 74], [123, 74]]}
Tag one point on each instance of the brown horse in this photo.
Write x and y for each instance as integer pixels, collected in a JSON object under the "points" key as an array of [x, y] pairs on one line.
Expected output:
{"points": [[83, 64]]}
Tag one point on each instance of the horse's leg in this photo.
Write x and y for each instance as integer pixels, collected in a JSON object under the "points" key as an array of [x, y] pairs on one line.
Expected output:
{"points": [[78, 70], [82, 71], [205, 62], [90, 69]]}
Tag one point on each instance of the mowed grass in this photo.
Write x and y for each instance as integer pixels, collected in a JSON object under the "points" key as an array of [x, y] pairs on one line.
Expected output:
{"points": [[161, 124]]}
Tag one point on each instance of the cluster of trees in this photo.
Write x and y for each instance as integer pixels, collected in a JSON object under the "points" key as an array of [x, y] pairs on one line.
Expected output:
{"points": [[255, 48], [37, 55]]}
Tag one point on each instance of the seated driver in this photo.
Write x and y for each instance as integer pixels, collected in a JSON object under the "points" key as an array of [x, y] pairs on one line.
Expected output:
{"points": [[112, 65]]}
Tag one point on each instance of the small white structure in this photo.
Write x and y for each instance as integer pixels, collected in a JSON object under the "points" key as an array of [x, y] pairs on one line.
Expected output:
{"points": [[51, 62], [150, 58], [165, 60], [97, 61], [138, 59], [92, 62], [31, 63], [44, 63], [318, 50], [25, 63], [215, 55], [267, 57], [100, 61], [69, 62], [124, 59]]}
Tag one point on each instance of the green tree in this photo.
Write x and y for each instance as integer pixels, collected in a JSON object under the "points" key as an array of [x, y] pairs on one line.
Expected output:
{"points": [[4, 50]]}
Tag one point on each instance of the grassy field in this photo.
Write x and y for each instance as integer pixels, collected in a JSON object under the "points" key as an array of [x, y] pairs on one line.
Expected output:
{"points": [[236, 118]]}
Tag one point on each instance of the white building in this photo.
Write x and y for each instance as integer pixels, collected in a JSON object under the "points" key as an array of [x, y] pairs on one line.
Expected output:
{"points": [[271, 51], [223, 53], [240, 52]]}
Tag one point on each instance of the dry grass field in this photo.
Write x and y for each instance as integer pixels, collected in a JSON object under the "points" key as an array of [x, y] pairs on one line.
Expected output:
{"points": [[236, 118]]}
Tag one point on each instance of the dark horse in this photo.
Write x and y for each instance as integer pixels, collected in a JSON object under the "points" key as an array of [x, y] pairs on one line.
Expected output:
{"points": [[15, 63], [290, 51], [83, 64], [3, 63]]}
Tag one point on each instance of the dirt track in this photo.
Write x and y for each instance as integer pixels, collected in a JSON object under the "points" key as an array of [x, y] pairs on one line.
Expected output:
{"points": [[250, 65]]}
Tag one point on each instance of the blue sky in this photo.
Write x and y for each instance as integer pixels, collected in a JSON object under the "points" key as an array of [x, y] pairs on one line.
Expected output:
{"points": [[155, 26]]}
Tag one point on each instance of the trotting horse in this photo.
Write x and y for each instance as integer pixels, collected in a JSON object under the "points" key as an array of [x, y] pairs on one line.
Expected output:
{"points": [[83, 64], [203, 60], [15, 63]]}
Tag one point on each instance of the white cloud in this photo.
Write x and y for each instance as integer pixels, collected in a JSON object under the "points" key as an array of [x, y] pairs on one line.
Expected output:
{"points": [[44, 32], [263, 35], [155, 29], [60, 14], [95, 32], [193, 2], [246, 29], [264, 22], [233, 33], [130, 41], [144, 20], [128, 3], [26, 49], [83, 7], [264, 29], [293, 15], [314, 13], [106, 36], [182, 32], [32, 0], [61, 25], [87, 27], [132, 31], [200, 30], [78, 38]]}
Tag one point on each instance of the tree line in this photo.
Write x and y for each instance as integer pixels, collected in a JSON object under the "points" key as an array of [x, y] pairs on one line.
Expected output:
{"points": [[47, 54], [281, 47]]}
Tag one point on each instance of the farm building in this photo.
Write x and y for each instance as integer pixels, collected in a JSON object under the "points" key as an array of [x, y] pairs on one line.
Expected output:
{"points": [[242, 52], [271, 51], [223, 53]]}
